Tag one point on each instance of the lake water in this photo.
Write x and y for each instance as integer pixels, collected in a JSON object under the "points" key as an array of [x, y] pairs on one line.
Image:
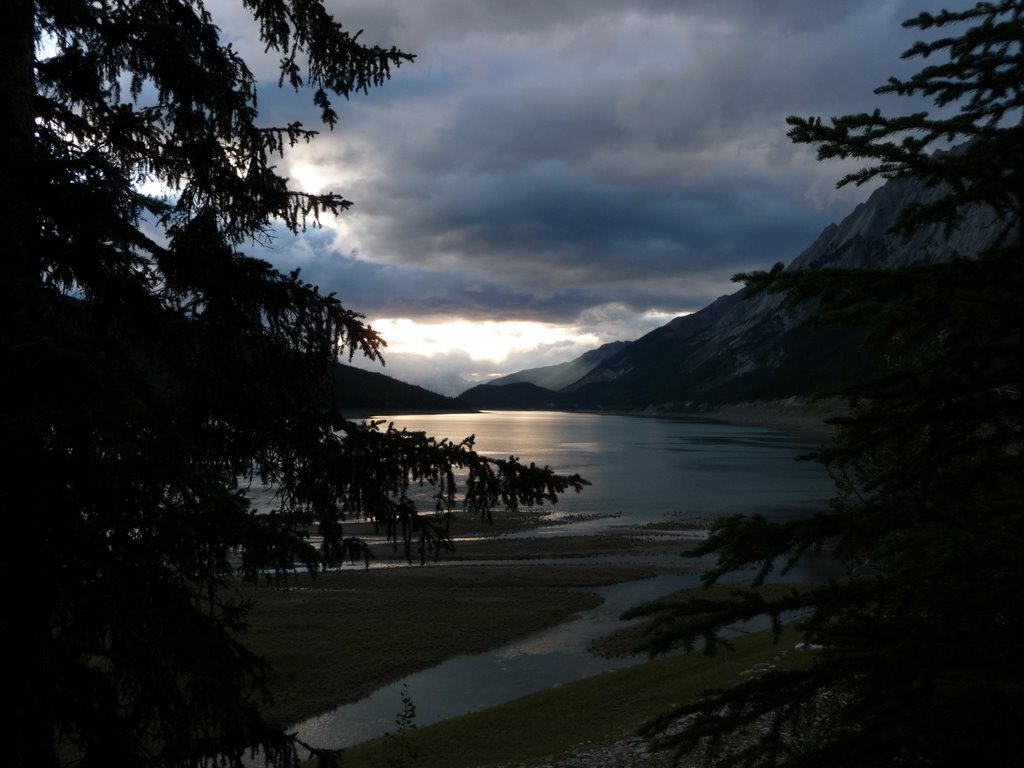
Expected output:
{"points": [[646, 469], [642, 470]]}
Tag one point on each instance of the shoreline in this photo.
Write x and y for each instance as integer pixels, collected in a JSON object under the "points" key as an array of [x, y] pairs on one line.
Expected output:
{"points": [[491, 589], [806, 418], [411, 617]]}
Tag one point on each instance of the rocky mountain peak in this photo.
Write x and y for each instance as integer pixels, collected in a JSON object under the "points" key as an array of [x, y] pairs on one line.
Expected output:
{"points": [[736, 349]]}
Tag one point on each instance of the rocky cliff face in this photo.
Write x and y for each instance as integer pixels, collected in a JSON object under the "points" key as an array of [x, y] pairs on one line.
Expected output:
{"points": [[555, 377], [736, 349], [860, 240]]}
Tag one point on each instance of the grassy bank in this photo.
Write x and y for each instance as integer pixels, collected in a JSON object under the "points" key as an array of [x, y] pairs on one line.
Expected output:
{"points": [[338, 637], [597, 710]]}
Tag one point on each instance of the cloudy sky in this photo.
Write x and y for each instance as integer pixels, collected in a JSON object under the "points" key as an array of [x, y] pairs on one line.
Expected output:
{"points": [[550, 175]]}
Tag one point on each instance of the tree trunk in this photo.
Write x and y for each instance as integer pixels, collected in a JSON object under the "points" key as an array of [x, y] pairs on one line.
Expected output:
{"points": [[17, 96], [25, 599]]}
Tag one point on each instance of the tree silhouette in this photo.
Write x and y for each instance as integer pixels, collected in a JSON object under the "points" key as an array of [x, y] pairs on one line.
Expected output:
{"points": [[919, 660], [152, 374]]}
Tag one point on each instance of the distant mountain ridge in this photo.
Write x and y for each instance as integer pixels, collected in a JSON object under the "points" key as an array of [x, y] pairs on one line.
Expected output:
{"points": [[363, 391], [517, 396], [556, 377], [737, 350]]}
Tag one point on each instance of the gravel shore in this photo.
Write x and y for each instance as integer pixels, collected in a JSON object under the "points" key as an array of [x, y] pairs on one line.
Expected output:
{"points": [[798, 415]]}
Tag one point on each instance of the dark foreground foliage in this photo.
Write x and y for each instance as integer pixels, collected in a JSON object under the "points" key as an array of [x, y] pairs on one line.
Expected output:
{"points": [[152, 376], [920, 642]]}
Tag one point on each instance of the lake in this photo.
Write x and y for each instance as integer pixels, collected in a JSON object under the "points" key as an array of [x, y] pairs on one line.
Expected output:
{"points": [[646, 469], [643, 470]]}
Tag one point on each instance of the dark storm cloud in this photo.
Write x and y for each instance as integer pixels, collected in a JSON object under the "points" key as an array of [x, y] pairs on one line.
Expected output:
{"points": [[544, 159]]}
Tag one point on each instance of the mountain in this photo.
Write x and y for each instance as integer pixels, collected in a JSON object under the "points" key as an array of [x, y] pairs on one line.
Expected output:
{"points": [[740, 350], [736, 349], [360, 391], [555, 377], [520, 395]]}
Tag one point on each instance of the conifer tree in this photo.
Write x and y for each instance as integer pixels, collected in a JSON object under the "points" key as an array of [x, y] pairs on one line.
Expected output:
{"points": [[151, 373], [919, 636]]}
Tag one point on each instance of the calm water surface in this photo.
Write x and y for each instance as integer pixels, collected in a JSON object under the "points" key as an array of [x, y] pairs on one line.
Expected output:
{"points": [[646, 469]]}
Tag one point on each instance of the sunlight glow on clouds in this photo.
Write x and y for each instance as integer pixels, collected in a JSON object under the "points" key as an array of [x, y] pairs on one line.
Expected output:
{"points": [[548, 177], [308, 177], [449, 355], [493, 341]]}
